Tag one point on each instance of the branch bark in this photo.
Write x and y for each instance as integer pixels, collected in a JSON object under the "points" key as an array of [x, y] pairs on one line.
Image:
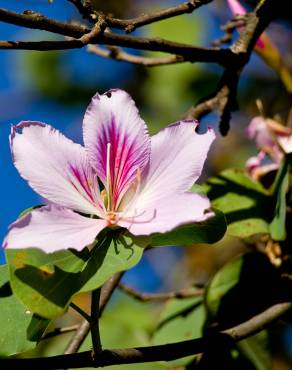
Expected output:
{"points": [[165, 352], [225, 57], [150, 297], [129, 25], [223, 99], [113, 52]]}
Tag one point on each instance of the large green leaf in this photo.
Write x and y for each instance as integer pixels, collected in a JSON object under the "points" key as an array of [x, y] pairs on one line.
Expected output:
{"points": [[247, 205], [223, 281], [181, 319], [278, 224], [46, 283], [20, 329], [228, 294]]}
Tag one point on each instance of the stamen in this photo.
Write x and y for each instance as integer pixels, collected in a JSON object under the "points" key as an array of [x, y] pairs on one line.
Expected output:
{"points": [[132, 220], [108, 177]]}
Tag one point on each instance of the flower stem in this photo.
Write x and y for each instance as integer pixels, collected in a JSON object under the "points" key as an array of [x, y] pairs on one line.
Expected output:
{"points": [[94, 322]]}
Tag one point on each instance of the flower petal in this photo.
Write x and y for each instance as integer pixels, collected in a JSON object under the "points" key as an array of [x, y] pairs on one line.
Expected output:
{"points": [[177, 157], [52, 228], [55, 167], [166, 214], [112, 118]]}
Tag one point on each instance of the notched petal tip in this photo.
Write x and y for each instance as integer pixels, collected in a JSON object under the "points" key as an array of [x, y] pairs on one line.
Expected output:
{"points": [[112, 120], [18, 128], [52, 228]]}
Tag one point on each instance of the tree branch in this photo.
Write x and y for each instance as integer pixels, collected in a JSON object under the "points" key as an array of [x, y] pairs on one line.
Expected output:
{"points": [[165, 352], [225, 57], [129, 25], [113, 52], [148, 297], [223, 99], [85, 9], [84, 328], [94, 323]]}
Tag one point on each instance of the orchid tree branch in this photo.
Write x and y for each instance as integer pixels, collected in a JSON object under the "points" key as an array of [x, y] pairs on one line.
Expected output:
{"points": [[84, 328], [113, 52], [84, 8], [94, 323], [165, 352], [81, 312], [150, 297], [223, 99], [129, 25]]}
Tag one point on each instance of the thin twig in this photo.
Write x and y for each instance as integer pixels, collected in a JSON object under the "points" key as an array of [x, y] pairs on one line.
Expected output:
{"points": [[129, 25], [148, 297], [165, 352], [80, 311], [85, 9], [59, 331], [113, 52]]}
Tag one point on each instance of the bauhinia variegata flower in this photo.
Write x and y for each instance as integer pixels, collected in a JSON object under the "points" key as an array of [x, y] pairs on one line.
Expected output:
{"points": [[273, 141], [121, 177]]}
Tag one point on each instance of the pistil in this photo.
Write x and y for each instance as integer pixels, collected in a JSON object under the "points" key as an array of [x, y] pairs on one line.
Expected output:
{"points": [[108, 179]]}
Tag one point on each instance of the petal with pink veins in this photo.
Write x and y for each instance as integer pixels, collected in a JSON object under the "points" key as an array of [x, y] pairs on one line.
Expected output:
{"points": [[117, 140], [177, 157], [55, 167], [285, 143], [166, 214], [52, 228]]}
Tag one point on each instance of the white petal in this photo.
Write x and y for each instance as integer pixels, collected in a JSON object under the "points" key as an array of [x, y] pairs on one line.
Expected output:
{"points": [[55, 167], [166, 214], [177, 157], [112, 118], [52, 228]]}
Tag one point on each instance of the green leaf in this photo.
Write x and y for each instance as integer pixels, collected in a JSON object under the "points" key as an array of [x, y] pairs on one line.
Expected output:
{"points": [[255, 349], [181, 319], [20, 329], [278, 224], [209, 231], [46, 283], [223, 281], [228, 294], [247, 205]]}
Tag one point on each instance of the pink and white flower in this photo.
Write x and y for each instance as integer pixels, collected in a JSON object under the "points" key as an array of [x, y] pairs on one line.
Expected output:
{"points": [[273, 140], [120, 177]]}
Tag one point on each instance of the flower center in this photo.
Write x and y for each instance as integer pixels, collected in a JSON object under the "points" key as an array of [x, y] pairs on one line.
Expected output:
{"points": [[114, 208]]}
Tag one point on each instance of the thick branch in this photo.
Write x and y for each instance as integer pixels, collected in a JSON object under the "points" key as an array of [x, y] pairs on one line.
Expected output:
{"points": [[150, 297], [165, 352], [191, 53]]}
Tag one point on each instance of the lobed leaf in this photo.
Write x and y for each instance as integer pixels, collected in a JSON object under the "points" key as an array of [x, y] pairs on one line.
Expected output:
{"points": [[20, 329], [46, 283]]}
